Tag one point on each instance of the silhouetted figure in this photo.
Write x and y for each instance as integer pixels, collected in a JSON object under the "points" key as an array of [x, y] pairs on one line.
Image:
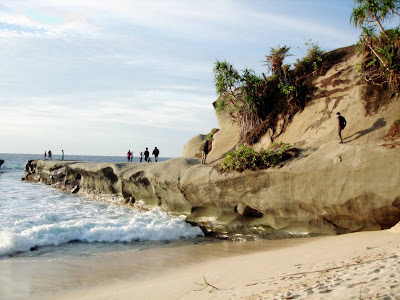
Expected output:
{"points": [[341, 125], [62, 154], [128, 155], [146, 155], [141, 156], [204, 152], [49, 155], [156, 152], [45, 155]]}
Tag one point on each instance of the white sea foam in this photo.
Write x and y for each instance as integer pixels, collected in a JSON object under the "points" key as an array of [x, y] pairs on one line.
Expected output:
{"points": [[35, 215]]}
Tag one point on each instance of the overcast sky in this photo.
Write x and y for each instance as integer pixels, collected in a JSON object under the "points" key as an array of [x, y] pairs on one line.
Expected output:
{"points": [[99, 77]]}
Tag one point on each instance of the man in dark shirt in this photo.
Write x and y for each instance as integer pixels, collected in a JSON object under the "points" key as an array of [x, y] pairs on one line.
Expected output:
{"points": [[146, 155], [341, 125], [156, 152]]}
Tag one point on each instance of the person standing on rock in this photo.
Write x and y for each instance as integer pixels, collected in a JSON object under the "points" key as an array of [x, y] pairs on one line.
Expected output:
{"points": [[45, 155], [204, 152], [341, 125], [146, 155], [62, 154], [156, 152], [129, 155], [49, 154], [141, 156]]}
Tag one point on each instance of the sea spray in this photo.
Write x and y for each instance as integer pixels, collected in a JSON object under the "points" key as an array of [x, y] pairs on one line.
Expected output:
{"points": [[34, 215]]}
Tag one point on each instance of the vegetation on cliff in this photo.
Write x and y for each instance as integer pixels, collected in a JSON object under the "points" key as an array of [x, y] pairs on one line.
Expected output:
{"points": [[261, 103], [381, 56], [245, 158], [258, 103]]}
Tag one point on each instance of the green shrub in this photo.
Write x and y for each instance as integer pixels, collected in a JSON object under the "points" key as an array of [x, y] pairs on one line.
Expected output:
{"points": [[246, 158], [311, 62]]}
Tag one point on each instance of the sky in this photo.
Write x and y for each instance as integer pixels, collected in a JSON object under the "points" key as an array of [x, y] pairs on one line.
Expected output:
{"points": [[99, 77]]}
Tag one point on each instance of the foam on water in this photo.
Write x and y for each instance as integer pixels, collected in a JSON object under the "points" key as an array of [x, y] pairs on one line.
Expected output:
{"points": [[36, 215]]}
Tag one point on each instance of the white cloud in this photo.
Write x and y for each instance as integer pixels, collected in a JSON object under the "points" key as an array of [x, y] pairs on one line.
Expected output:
{"points": [[130, 67]]}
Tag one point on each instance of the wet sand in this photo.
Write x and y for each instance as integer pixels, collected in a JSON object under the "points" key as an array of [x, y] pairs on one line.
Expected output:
{"points": [[41, 278], [337, 267]]}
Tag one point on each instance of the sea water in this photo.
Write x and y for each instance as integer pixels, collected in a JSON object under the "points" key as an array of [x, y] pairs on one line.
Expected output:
{"points": [[38, 220]]}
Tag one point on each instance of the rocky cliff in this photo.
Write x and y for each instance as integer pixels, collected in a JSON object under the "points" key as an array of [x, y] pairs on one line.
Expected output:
{"points": [[330, 188]]}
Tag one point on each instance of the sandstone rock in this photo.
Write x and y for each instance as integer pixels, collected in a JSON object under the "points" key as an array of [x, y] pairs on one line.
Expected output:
{"points": [[192, 147], [311, 194], [328, 189], [226, 139]]}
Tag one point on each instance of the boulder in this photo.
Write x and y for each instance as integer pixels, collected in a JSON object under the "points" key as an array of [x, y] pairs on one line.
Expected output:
{"points": [[192, 147]]}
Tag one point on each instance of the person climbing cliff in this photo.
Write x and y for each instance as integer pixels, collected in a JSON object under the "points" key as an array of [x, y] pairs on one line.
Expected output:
{"points": [[341, 125], [146, 155], [205, 151], [156, 152]]}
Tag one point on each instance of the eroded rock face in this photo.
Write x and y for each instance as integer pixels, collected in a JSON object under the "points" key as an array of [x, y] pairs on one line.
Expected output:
{"points": [[314, 193], [192, 147]]}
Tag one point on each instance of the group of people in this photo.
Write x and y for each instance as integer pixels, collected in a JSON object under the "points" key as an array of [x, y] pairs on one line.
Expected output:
{"points": [[146, 155], [205, 149], [49, 155]]}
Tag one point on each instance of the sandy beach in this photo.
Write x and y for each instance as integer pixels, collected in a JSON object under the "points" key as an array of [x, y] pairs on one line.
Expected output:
{"points": [[361, 265]]}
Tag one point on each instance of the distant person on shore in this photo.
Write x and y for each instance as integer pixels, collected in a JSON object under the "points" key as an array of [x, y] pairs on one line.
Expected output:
{"points": [[49, 155], [156, 152], [62, 154], [204, 152], [146, 155], [141, 156], [129, 155], [341, 125], [45, 155]]}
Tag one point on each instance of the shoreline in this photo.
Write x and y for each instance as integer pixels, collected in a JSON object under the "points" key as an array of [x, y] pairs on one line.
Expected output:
{"points": [[333, 267]]}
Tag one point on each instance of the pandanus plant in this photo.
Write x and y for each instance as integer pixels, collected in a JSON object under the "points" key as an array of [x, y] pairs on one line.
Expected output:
{"points": [[368, 15], [275, 62]]}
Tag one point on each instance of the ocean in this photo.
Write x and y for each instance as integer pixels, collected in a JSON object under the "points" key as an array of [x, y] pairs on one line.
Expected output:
{"points": [[37, 220]]}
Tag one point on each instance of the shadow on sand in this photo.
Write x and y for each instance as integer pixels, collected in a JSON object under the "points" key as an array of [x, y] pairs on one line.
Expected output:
{"points": [[377, 125]]}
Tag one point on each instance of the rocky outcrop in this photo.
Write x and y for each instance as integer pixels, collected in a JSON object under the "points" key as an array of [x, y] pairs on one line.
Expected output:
{"points": [[329, 188], [192, 147], [353, 188]]}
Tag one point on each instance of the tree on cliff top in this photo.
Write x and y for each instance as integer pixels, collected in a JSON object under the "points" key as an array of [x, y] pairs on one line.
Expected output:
{"points": [[239, 94], [381, 64], [374, 12], [275, 62]]}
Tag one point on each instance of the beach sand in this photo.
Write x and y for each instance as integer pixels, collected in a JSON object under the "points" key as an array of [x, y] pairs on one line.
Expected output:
{"points": [[361, 265]]}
